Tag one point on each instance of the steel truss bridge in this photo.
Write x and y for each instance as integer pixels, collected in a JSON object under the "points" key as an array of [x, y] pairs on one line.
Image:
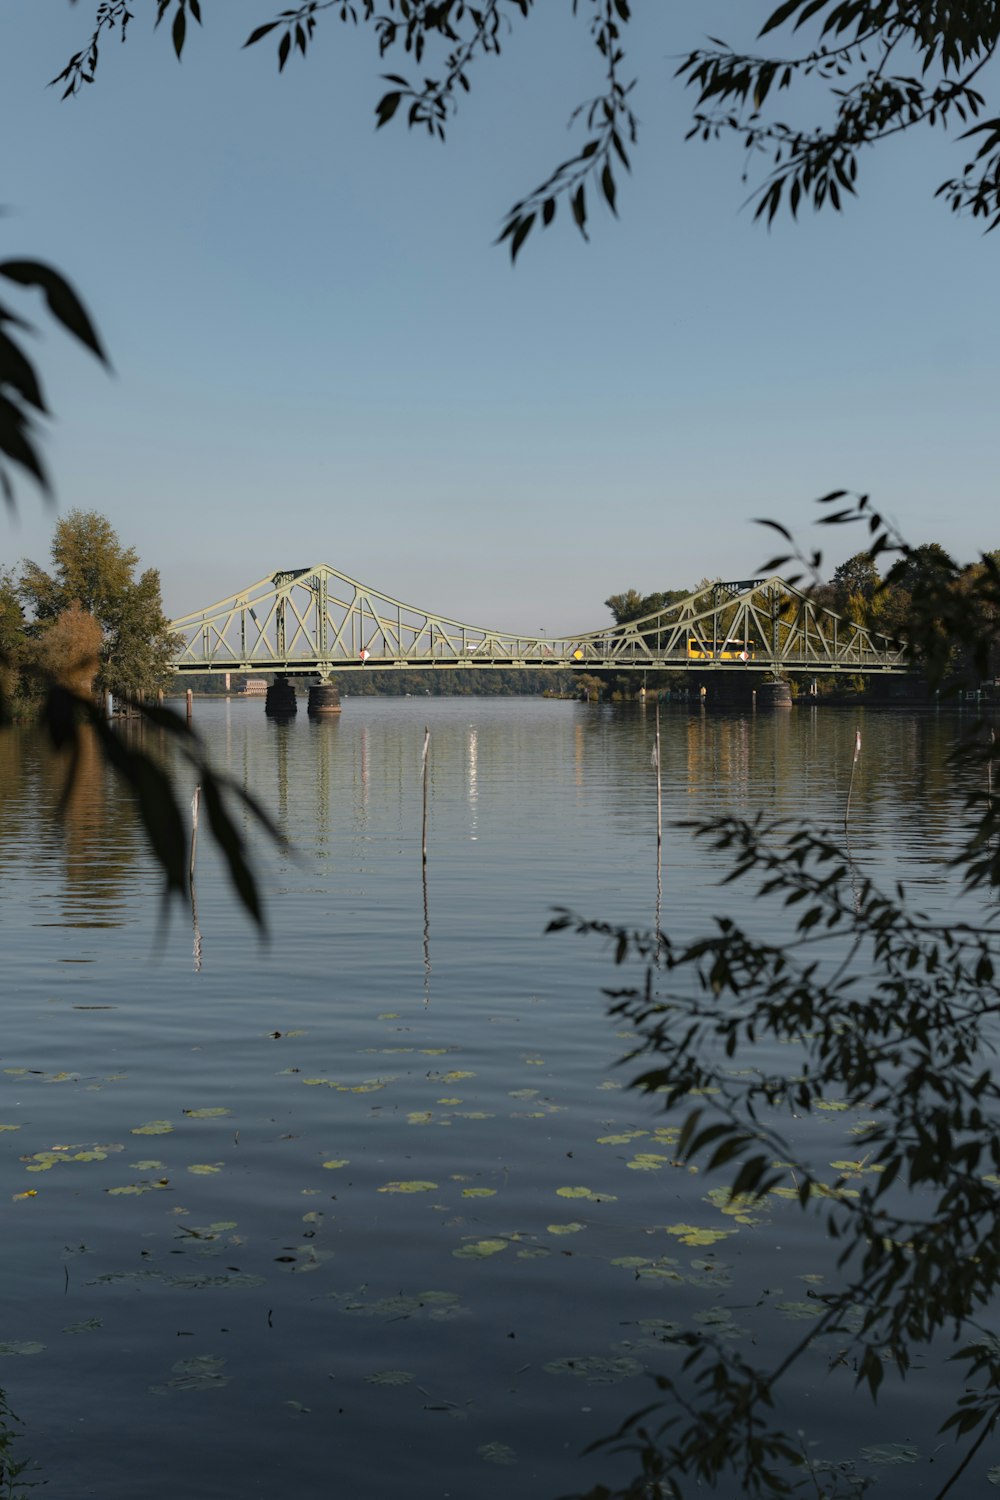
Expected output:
{"points": [[316, 621]]}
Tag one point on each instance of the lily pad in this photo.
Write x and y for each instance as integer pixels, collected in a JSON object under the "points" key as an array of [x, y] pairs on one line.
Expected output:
{"points": [[891, 1453], [596, 1369], [408, 1187], [497, 1453], [692, 1234], [153, 1127], [389, 1377], [479, 1249], [27, 1346], [202, 1372], [206, 1114]]}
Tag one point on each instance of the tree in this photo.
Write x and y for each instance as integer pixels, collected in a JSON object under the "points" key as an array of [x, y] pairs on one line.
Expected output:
{"points": [[857, 578], [92, 570], [68, 649]]}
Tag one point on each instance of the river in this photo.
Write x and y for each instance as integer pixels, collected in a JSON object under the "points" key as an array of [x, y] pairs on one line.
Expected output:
{"points": [[367, 1208]]}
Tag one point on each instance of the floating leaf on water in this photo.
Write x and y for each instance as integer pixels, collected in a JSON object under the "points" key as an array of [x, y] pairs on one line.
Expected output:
{"points": [[535, 1062], [497, 1453], [621, 1140], [572, 1228], [313, 1082], [389, 1377], [479, 1192], [205, 1169], [522, 1093], [133, 1189], [408, 1187], [631, 1262], [388, 1015], [454, 1076], [296, 1406], [9, 1127], [420, 1117], [647, 1161], [891, 1453], [438, 1306], [585, 1192], [691, 1234], [479, 1249], [153, 1127], [206, 1114], [739, 1208], [336, 1162], [831, 1104], [609, 1083], [28, 1346], [314, 1216], [450, 1101], [800, 1309], [434, 1051], [596, 1369], [229, 1279], [200, 1373], [993, 1475], [147, 1166], [89, 1325], [30, 1193]]}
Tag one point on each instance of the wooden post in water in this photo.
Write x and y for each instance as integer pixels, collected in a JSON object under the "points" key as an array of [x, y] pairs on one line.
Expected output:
{"points": [[189, 699], [657, 759], [854, 766], [423, 842], [195, 805], [423, 873]]}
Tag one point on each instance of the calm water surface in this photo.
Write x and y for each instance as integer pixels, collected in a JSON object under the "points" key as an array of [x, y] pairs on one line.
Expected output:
{"points": [[368, 1209]]}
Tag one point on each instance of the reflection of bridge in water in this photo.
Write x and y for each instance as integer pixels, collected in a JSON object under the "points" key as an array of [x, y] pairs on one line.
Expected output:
{"points": [[316, 621]]}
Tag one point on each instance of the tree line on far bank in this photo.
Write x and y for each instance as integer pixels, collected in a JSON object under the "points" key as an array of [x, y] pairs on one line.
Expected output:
{"points": [[89, 623]]}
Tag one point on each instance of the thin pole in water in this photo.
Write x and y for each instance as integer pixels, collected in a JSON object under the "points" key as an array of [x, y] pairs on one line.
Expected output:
{"points": [[423, 871], [854, 767], [195, 806], [657, 758], [423, 844], [659, 790]]}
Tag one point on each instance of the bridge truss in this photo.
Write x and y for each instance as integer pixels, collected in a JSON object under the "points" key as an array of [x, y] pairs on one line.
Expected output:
{"points": [[316, 621]]}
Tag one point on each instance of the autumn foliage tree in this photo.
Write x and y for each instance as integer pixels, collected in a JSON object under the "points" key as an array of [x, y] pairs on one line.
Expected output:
{"points": [[94, 572]]}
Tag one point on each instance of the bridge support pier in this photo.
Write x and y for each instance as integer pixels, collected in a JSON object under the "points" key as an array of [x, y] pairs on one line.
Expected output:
{"points": [[279, 701], [324, 700], [774, 694]]}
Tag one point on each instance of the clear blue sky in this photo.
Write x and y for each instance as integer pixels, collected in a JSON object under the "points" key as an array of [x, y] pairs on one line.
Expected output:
{"points": [[320, 356]]}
